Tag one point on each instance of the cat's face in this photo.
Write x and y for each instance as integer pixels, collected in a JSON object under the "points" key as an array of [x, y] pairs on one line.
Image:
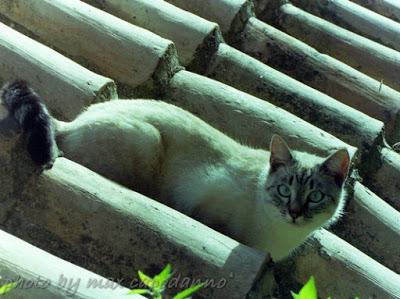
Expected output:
{"points": [[307, 193]]}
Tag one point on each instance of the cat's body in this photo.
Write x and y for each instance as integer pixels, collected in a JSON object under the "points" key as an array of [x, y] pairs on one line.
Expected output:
{"points": [[167, 153]]}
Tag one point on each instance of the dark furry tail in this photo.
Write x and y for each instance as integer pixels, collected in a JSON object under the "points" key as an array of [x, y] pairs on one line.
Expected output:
{"points": [[34, 119]]}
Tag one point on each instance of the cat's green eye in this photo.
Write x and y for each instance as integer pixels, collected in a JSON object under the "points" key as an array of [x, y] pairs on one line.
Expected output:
{"points": [[316, 196], [284, 190]]}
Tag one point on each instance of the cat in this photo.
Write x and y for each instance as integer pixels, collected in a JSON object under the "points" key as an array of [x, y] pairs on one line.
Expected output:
{"points": [[271, 200], [396, 147]]}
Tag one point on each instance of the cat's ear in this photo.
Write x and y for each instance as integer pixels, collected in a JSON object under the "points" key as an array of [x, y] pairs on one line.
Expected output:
{"points": [[280, 153], [337, 165]]}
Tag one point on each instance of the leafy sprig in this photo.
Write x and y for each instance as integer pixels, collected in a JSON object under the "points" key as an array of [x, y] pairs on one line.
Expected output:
{"points": [[156, 285]]}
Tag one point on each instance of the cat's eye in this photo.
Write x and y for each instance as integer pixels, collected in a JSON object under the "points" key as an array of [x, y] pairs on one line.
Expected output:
{"points": [[284, 190], [316, 196]]}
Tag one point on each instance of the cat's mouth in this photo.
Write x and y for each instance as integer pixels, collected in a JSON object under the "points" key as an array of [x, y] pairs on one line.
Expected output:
{"points": [[298, 221]]}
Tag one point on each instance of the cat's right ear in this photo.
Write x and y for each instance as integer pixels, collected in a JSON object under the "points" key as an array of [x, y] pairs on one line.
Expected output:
{"points": [[280, 153], [337, 165]]}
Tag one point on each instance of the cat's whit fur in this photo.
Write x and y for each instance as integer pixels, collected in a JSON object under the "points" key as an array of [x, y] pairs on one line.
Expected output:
{"points": [[269, 200]]}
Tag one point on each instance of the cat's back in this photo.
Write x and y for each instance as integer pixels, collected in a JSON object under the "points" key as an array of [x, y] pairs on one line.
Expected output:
{"points": [[173, 122], [153, 111]]}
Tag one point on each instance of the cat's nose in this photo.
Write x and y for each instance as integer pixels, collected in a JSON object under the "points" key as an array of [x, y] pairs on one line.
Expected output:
{"points": [[295, 213]]}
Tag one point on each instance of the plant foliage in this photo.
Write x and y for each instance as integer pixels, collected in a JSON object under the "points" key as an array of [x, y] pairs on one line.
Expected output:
{"points": [[156, 285]]}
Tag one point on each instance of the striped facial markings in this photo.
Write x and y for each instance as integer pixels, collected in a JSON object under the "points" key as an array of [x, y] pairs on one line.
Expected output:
{"points": [[303, 177], [311, 184], [291, 180]]}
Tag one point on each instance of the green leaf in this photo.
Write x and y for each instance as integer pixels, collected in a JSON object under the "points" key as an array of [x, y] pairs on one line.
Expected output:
{"points": [[4, 289], [162, 278], [308, 291], [148, 281], [294, 295], [186, 293], [139, 291]]}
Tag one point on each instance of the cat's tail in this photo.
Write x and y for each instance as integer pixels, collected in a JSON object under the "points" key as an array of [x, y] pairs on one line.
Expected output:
{"points": [[35, 121]]}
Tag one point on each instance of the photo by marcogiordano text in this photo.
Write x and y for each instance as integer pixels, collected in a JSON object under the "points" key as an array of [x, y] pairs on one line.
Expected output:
{"points": [[71, 284]]}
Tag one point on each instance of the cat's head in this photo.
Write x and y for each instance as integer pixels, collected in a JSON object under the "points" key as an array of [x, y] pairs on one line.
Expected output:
{"points": [[306, 189]]}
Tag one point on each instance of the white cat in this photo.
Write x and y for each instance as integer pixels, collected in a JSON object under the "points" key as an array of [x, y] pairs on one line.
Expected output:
{"points": [[269, 200]]}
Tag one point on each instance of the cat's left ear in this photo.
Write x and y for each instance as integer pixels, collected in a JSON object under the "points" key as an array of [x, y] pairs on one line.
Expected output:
{"points": [[280, 153], [337, 165]]}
